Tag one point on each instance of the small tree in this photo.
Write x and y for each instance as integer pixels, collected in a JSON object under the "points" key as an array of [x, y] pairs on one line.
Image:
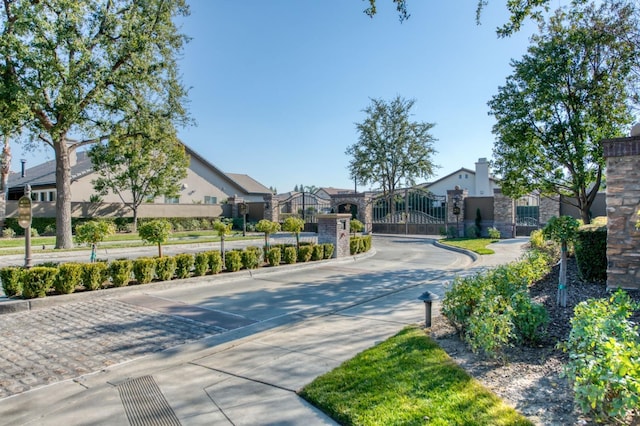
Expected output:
{"points": [[221, 230], [356, 226], [94, 232], [268, 227], [562, 229], [155, 231], [294, 225]]}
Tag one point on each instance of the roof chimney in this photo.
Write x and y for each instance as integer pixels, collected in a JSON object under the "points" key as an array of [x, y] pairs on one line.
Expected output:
{"points": [[22, 170]]}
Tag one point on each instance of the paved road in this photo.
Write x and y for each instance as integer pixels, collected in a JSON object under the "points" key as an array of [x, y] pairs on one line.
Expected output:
{"points": [[117, 333]]}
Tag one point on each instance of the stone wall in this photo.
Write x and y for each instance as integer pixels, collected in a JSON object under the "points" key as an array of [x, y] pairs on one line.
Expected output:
{"points": [[504, 214], [549, 207], [623, 199]]}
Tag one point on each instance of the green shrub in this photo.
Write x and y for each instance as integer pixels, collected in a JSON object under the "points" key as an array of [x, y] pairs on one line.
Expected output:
{"points": [[604, 349], [69, 277], [591, 252], [94, 275], [356, 226], [317, 253], [251, 257], [200, 264], [494, 233], [120, 272], [366, 240], [289, 256], [144, 269], [184, 264], [8, 233], [38, 281], [274, 256], [165, 268], [12, 278], [328, 250], [471, 232], [233, 260], [304, 254], [537, 240], [215, 261]]}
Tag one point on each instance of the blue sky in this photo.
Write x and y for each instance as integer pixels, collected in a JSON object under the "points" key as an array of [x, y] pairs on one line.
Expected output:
{"points": [[277, 86]]}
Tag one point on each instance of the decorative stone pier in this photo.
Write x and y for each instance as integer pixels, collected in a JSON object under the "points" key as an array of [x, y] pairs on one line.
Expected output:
{"points": [[334, 229]]}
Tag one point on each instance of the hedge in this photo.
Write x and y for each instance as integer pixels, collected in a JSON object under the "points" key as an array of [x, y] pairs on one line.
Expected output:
{"points": [[591, 252]]}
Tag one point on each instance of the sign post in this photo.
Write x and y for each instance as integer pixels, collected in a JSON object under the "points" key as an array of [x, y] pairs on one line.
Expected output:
{"points": [[24, 220]]}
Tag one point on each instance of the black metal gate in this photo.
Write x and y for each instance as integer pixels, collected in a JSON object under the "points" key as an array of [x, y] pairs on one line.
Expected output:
{"points": [[527, 214], [410, 211], [304, 205]]}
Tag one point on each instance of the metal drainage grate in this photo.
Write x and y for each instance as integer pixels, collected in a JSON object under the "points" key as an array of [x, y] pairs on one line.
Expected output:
{"points": [[144, 403]]}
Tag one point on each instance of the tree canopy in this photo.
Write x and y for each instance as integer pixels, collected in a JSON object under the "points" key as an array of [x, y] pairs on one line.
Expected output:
{"points": [[146, 162], [79, 68], [391, 150], [573, 88]]}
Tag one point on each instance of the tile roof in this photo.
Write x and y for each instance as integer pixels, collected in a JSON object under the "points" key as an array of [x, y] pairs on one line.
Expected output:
{"points": [[44, 174]]}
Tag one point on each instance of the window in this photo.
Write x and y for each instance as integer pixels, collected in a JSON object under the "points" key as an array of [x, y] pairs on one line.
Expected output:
{"points": [[460, 176], [466, 175], [52, 195], [43, 196], [172, 200], [208, 199]]}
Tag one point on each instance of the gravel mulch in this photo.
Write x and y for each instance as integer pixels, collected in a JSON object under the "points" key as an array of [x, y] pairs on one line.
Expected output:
{"points": [[531, 380]]}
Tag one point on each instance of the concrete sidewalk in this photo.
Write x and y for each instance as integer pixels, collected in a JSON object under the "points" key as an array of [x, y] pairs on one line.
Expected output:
{"points": [[248, 376]]}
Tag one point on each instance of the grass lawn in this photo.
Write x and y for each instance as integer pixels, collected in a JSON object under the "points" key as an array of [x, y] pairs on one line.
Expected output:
{"points": [[407, 380], [478, 245]]}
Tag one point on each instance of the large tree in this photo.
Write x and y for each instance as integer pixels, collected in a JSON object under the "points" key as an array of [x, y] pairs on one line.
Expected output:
{"points": [[572, 89], [79, 66], [144, 162], [391, 150]]}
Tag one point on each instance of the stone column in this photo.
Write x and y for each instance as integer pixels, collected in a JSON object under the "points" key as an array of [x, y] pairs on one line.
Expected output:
{"points": [[456, 221], [504, 214], [334, 229], [549, 207], [623, 202], [271, 208]]}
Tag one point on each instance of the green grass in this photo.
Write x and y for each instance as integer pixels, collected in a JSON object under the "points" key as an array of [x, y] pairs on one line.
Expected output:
{"points": [[478, 245], [407, 380]]}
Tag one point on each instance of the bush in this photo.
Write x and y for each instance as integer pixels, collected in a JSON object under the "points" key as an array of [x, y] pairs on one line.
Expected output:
{"points": [[8, 233], [12, 279], [494, 234], [317, 253], [120, 272], [328, 250], [200, 264], [233, 260], [304, 253], [165, 268], [274, 256], [537, 240], [94, 275], [493, 309], [184, 264], [356, 226], [355, 245], [144, 269], [471, 232], [38, 281], [289, 256], [251, 257], [603, 349], [591, 252], [69, 277], [215, 261]]}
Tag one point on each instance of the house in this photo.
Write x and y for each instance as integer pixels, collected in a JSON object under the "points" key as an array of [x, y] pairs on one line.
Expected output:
{"points": [[202, 192], [478, 182], [327, 192]]}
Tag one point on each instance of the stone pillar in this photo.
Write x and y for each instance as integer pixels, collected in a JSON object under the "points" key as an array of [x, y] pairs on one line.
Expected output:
{"points": [[364, 203], [623, 199], [334, 229], [456, 197], [549, 207], [271, 211], [504, 214]]}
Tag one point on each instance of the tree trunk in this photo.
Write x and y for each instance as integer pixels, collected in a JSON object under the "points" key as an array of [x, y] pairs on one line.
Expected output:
{"points": [[5, 169], [135, 219], [159, 250], [64, 238], [562, 281]]}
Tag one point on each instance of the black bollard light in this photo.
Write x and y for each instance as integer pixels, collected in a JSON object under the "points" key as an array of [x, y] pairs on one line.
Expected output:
{"points": [[428, 298]]}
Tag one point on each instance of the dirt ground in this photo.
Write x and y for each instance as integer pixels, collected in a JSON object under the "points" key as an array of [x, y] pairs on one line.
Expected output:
{"points": [[531, 380]]}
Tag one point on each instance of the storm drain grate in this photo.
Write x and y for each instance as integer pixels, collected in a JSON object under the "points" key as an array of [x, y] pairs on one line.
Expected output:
{"points": [[144, 403]]}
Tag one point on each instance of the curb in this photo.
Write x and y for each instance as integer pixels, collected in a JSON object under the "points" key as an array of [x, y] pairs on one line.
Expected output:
{"points": [[473, 255]]}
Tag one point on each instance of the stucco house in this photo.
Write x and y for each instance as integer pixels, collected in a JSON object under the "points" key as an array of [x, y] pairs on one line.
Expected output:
{"points": [[478, 182], [202, 192]]}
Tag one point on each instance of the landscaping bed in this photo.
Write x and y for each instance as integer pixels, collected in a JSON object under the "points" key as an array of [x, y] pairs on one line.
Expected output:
{"points": [[531, 379]]}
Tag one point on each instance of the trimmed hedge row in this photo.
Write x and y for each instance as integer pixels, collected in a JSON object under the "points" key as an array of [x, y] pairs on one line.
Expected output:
{"points": [[66, 278], [591, 252], [360, 244]]}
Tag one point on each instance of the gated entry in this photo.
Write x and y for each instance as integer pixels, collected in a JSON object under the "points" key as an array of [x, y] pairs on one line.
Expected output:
{"points": [[410, 211], [304, 205], [527, 214]]}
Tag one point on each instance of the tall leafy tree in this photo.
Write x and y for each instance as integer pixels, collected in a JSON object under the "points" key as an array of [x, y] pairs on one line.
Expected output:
{"points": [[80, 67], [391, 150], [145, 162], [573, 88]]}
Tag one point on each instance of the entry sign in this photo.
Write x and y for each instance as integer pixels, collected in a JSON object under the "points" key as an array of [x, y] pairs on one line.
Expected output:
{"points": [[24, 212]]}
